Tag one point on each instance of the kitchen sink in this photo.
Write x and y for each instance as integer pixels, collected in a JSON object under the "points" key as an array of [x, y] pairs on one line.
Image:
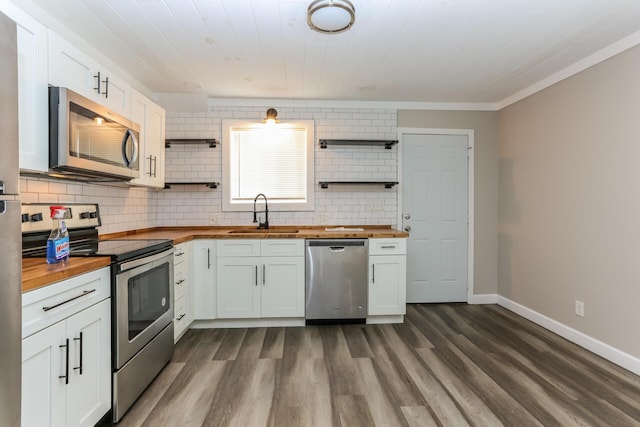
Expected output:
{"points": [[263, 231]]}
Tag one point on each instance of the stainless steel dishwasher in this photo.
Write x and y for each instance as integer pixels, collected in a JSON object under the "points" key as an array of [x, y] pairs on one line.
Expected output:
{"points": [[336, 280]]}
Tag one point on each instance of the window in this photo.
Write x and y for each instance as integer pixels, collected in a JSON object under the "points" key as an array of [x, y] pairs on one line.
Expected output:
{"points": [[273, 159]]}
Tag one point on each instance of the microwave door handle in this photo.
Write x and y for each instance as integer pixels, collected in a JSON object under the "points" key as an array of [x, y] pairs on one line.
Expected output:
{"points": [[128, 134]]}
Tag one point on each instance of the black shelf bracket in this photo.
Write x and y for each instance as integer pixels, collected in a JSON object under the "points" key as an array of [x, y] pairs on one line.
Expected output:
{"points": [[387, 184], [211, 185], [387, 143], [211, 142]]}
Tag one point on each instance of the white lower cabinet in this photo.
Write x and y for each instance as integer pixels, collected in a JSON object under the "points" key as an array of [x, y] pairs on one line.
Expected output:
{"points": [[387, 277], [182, 307], [260, 278], [66, 366], [203, 286]]}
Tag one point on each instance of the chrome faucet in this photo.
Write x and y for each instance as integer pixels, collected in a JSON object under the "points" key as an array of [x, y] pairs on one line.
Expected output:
{"points": [[264, 224]]}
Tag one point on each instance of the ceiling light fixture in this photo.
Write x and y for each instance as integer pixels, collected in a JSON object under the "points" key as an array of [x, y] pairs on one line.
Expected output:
{"points": [[331, 16], [272, 117]]}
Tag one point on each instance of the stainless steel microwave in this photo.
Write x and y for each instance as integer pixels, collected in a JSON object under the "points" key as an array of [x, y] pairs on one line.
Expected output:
{"points": [[88, 141]]}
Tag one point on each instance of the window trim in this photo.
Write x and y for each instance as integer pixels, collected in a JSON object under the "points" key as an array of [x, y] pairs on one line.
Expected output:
{"points": [[228, 206]]}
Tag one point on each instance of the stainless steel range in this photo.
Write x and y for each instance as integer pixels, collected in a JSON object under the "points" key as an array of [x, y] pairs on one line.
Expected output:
{"points": [[141, 294]]}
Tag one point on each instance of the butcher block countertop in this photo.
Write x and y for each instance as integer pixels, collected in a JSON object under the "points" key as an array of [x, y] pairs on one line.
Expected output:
{"points": [[36, 273], [183, 234]]}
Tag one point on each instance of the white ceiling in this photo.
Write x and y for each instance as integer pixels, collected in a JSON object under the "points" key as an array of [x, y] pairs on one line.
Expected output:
{"points": [[475, 51]]}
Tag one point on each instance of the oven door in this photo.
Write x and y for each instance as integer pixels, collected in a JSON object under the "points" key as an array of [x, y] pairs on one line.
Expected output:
{"points": [[143, 303]]}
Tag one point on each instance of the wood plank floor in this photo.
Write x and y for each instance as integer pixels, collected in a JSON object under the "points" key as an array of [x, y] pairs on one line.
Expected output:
{"points": [[447, 365]]}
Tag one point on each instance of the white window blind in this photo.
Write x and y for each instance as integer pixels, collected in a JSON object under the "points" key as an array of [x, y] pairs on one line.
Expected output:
{"points": [[274, 160], [270, 160]]}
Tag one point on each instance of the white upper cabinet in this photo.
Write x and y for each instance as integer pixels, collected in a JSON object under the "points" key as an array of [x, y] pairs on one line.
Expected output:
{"points": [[151, 118], [70, 67], [33, 79]]}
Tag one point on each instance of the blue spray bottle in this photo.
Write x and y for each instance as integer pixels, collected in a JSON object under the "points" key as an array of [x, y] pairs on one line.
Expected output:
{"points": [[58, 241]]}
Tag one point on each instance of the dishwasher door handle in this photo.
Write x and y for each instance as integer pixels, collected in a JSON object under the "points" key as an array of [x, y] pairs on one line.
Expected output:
{"points": [[336, 248]]}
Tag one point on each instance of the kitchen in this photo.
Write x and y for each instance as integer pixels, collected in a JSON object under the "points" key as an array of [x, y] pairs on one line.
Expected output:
{"points": [[505, 266]]}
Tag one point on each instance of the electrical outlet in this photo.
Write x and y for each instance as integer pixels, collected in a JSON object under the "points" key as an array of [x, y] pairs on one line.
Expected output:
{"points": [[213, 219], [579, 308]]}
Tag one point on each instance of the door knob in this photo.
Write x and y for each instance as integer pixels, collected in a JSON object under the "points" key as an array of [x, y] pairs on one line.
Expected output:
{"points": [[407, 228], [407, 216]]}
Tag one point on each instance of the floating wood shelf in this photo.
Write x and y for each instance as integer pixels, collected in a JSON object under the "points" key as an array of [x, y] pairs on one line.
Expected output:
{"points": [[211, 142], [387, 184], [208, 184], [387, 143]]}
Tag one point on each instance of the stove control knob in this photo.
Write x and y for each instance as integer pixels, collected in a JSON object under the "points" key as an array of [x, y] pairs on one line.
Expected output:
{"points": [[36, 217], [85, 215], [25, 217], [93, 215]]}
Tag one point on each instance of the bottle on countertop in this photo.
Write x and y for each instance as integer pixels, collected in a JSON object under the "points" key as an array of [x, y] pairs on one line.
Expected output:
{"points": [[58, 241]]}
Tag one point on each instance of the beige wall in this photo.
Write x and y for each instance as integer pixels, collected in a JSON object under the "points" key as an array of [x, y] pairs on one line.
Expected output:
{"points": [[569, 215], [484, 125]]}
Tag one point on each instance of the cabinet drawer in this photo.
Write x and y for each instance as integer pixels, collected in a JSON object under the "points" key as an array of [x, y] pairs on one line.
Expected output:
{"points": [[180, 253], [181, 320], [238, 247], [180, 283], [387, 246], [45, 306], [282, 247]]}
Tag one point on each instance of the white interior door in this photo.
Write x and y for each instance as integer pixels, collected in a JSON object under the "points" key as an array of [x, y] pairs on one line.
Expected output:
{"points": [[435, 209]]}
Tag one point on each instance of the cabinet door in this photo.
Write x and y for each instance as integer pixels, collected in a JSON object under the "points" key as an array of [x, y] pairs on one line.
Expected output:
{"points": [[282, 287], [203, 284], [151, 118], [387, 284], [70, 67], [238, 288], [33, 78], [43, 392], [89, 389]]}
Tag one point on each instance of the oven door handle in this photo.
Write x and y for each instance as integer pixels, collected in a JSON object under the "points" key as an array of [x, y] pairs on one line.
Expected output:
{"points": [[142, 261]]}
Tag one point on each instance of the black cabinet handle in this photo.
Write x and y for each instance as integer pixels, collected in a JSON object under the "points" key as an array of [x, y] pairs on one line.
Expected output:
{"points": [[66, 363], [256, 275], [98, 81], [264, 274], [79, 367], [69, 300], [155, 166], [373, 275], [180, 318], [208, 258], [106, 87]]}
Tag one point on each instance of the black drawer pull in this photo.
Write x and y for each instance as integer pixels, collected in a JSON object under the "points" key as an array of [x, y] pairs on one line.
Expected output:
{"points": [[69, 300]]}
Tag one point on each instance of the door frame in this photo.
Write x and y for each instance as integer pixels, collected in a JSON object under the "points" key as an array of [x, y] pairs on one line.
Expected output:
{"points": [[469, 133]]}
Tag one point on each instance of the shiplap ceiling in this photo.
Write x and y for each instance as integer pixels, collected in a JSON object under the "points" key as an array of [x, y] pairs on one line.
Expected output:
{"points": [[479, 51]]}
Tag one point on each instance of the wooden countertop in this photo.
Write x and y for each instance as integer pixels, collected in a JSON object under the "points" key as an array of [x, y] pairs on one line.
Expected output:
{"points": [[37, 273], [183, 234]]}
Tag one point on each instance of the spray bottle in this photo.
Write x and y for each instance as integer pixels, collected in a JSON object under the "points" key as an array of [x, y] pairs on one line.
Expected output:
{"points": [[58, 242]]}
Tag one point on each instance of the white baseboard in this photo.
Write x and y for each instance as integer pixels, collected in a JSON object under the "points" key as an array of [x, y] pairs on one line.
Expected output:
{"points": [[610, 353], [484, 299]]}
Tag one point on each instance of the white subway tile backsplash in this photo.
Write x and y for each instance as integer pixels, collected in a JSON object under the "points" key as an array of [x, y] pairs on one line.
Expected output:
{"points": [[124, 208]]}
